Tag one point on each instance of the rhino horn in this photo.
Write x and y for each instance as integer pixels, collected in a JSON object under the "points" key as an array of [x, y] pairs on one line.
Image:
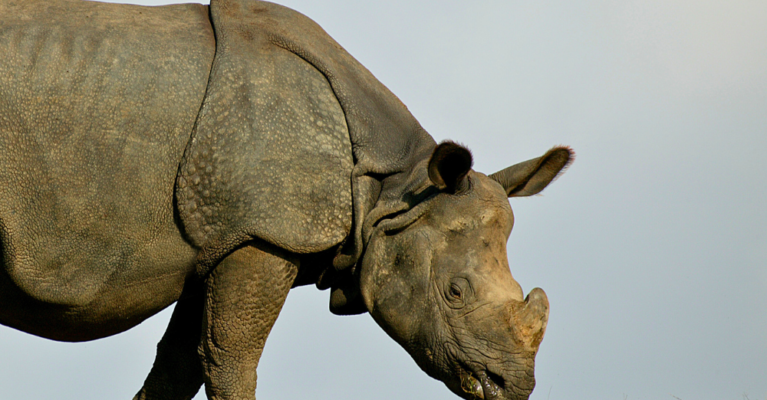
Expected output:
{"points": [[530, 318], [532, 176]]}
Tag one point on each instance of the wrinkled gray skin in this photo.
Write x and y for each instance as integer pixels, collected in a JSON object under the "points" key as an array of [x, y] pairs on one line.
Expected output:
{"points": [[218, 156]]}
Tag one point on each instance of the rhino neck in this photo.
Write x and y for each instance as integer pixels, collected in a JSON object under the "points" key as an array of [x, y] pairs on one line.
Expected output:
{"points": [[376, 196], [399, 200]]}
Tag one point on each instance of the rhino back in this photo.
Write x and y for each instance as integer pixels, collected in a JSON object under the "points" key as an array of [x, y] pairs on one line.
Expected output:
{"points": [[97, 102]]}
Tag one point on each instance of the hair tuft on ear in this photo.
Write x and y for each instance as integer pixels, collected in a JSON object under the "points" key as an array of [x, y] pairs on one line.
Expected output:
{"points": [[560, 158], [532, 176], [449, 165]]}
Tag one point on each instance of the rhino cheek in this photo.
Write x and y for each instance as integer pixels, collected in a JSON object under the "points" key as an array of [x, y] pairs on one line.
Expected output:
{"points": [[393, 283]]}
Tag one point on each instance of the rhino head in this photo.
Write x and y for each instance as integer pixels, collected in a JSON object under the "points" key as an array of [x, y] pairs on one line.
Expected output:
{"points": [[436, 277]]}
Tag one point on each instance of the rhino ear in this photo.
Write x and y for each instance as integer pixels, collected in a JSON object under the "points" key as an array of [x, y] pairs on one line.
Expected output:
{"points": [[532, 176], [449, 165]]}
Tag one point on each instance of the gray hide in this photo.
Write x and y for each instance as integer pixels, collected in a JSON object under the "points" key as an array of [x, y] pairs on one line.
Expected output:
{"points": [[97, 102], [265, 53], [218, 156]]}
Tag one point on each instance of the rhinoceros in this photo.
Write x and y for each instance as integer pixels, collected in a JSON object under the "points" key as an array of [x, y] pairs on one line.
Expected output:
{"points": [[217, 156]]}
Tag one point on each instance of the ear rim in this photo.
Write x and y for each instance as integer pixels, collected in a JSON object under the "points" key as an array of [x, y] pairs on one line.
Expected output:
{"points": [[449, 164], [546, 169]]}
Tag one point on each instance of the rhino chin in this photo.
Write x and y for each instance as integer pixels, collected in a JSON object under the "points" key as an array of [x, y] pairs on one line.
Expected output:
{"points": [[484, 385], [471, 387], [480, 386]]}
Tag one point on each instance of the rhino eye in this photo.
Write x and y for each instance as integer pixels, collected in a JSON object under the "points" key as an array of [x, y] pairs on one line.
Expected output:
{"points": [[456, 292]]}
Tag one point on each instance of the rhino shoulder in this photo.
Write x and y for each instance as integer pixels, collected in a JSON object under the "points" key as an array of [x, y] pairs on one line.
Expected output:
{"points": [[270, 156]]}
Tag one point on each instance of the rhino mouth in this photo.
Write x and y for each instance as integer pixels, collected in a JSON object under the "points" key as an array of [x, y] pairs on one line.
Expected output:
{"points": [[480, 384]]}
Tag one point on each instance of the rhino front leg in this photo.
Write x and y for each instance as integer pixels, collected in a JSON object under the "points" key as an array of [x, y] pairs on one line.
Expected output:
{"points": [[177, 371], [245, 293]]}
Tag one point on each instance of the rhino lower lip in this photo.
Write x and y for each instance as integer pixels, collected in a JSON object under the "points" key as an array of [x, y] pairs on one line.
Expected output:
{"points": [[479, 386], [490, 389], [471, 386]]}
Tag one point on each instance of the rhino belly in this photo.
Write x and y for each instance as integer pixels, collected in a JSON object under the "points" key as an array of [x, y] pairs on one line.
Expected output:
{"points": [[97, 102]]}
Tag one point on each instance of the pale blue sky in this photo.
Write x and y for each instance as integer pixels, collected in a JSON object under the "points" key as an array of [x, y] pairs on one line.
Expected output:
{"points": [[652, 248]]}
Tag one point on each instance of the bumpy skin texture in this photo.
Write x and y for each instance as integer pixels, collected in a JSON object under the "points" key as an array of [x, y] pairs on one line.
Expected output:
{"points": [[96, 105], [218, 157], [259, 42], [287, 150], [249, 286]]}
